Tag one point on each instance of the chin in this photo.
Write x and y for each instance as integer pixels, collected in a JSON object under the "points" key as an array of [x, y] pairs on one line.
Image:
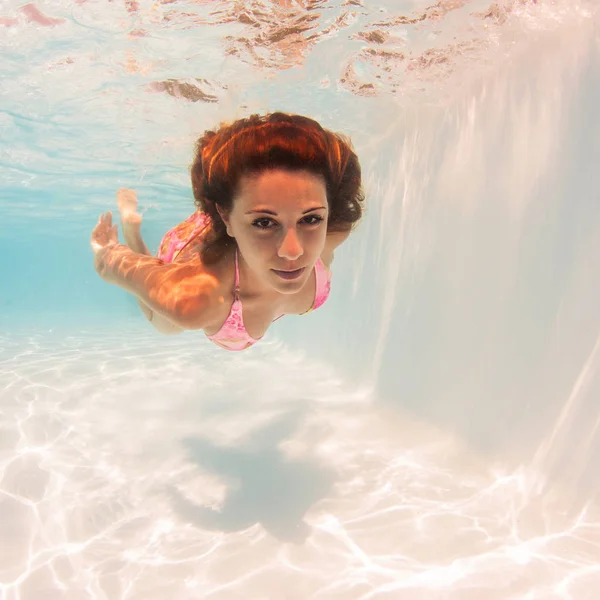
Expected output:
{"points": [[290, 287]]}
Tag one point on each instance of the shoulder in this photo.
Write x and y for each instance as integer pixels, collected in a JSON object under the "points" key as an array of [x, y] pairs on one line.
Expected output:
{"points": [[333, 240], [203, 290]]}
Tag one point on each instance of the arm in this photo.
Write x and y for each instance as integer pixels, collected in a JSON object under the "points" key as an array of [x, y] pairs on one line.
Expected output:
{"points": [[181, 293]]}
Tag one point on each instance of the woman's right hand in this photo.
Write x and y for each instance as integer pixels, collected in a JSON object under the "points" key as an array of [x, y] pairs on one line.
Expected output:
{"points": [[105, 237]]}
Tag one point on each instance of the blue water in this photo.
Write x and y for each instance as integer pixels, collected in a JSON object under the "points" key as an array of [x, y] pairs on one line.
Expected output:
{"points": [[432, 432]]}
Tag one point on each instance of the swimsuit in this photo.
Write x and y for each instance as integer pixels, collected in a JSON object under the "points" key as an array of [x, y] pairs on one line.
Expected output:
{"points": [[176, 239], [232, 335]]}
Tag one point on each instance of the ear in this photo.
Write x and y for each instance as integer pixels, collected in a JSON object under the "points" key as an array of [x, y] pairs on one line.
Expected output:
{"points": [[225, 218]]}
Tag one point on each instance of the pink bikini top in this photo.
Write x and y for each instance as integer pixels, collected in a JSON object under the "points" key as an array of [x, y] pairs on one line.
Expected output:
{"points": [[233, 334]]}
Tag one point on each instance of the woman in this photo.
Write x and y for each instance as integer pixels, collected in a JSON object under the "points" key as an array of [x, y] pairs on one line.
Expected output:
{"points": [[276, 194]]}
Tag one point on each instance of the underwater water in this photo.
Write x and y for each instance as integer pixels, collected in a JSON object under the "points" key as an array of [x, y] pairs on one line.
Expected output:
{"points": [[431, 432]]}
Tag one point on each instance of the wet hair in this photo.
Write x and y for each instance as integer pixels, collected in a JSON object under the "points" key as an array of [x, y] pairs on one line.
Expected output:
{"points": [[277, 140]]}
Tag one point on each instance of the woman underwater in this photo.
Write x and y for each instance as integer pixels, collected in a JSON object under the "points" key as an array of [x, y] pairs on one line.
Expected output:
{"points": [[275, 195]]}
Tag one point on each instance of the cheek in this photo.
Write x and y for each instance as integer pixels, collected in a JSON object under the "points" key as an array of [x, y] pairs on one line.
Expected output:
{"points": [[318, 238], [258, 246]]}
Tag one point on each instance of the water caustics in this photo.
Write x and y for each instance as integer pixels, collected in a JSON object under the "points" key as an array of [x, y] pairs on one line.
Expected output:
{"points": [[439, 438]]}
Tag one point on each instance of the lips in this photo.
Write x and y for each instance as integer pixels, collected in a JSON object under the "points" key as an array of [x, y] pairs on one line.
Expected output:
{"points": [[289, 274]]}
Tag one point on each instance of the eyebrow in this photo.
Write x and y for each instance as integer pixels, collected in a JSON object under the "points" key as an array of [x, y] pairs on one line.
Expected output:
{"points": [[272, 212]]}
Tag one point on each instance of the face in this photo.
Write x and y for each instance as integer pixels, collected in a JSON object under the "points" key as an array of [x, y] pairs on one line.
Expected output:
{"points": [[279, 221]]}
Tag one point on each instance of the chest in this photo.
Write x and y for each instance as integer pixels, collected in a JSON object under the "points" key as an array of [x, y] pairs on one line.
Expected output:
{"points": [[257, 314]]}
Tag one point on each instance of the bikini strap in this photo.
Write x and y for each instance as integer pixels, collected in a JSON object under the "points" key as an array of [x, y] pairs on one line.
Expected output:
{"points": [[237, 276], [322, 284]]}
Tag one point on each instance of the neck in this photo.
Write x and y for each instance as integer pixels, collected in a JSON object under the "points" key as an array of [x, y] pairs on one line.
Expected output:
{"points": [[250, 285]]}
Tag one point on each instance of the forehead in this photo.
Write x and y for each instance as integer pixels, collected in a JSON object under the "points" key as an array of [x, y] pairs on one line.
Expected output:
{"points": [[281, 190]]}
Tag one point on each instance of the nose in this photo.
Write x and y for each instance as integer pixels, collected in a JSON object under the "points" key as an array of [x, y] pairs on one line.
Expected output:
{"points": [[290, 247]]}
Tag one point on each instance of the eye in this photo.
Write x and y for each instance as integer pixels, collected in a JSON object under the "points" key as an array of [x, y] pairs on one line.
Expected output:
{"points": [[263, 223], [312, 219]]}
